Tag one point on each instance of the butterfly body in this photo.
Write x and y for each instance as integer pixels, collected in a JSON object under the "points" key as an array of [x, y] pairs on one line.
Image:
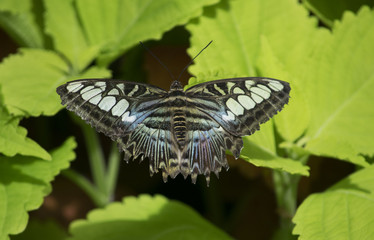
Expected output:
{"points": [[179, 131]]}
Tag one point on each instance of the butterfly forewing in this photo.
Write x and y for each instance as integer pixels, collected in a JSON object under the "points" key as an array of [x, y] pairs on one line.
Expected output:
{"points": [[112, 107], [240, 105]]}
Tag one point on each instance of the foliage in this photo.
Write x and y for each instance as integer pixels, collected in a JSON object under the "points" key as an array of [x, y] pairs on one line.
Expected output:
{"points": [[330, 113]]}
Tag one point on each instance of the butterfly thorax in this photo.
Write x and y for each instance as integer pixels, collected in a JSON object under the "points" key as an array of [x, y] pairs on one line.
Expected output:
{"points": [[177, 102], [176, 85]]}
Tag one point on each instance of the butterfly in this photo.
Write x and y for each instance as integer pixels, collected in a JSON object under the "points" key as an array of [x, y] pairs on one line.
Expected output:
{"points": [[179, 131]]}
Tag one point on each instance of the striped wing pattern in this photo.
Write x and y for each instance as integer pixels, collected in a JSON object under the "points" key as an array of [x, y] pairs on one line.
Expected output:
{"points": [[179, 131]]}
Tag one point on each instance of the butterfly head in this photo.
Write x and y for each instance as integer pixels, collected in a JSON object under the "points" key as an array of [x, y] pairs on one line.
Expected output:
{"points": [[176, 85]]}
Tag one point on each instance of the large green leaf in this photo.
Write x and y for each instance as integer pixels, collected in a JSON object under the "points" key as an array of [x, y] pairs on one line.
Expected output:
{"points": [[24, 181], [345, 211], [13, 138], [29, 80], [338, 83], [83, 29], [18, 20], [145, 217], [291, 124], [262, 157], [331, 74], [331, 10]]}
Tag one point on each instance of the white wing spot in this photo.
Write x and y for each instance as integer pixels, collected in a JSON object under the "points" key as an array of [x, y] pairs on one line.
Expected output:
{"points": [[120, 107], [114, 91], [235, 107], [257, 98], [133, 91], [100, 84], [107, 103], [229, 117], [230, 85], [246, 102], [74, 87], [263, 87], [127, 118], [86, 89], [121, 86], [90, 94], [276, 86], [95, 100], [264, 94], [249, 84], [238, 90]]}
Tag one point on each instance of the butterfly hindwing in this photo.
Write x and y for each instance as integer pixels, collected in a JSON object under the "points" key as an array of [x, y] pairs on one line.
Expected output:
{"points": [[240, 105], [152, 139], [206, 144]]}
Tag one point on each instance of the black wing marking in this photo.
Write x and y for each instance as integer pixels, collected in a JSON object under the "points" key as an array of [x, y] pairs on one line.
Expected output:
{"points": [[240, 105]]}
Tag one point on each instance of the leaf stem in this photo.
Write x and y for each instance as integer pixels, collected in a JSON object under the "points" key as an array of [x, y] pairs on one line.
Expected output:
{"points": [[98, 198], [112, 172], [285, 185], [96, 157]]}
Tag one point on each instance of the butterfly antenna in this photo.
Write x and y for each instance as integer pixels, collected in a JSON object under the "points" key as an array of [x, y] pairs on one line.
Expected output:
{"points": [[184, 69], [158, 60]]}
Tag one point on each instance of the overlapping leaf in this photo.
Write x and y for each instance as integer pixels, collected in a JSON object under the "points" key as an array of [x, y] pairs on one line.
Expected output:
{"points": [[145, 217], [29, 81], [331, 74], [83, 30], [339, 82], [18, 20], [238, 29], [24, 181], [329, 11]]}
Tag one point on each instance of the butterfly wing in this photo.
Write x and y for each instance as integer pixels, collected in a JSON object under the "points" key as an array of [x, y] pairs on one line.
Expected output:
{"points": [[111, 106], [229, 109]]}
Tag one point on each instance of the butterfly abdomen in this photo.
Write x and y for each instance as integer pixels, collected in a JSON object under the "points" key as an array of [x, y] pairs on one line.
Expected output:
{"points": [[179, 126]]}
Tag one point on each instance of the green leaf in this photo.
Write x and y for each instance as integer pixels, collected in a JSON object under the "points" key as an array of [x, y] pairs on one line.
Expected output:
{"points": [[345, 211], [63, 25], [49, 230], [328, 11], [18, 20], [145, 217], [15, 6], [82, 30], [339, 82], [24, 181], [13, 138], [29, 86]]}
